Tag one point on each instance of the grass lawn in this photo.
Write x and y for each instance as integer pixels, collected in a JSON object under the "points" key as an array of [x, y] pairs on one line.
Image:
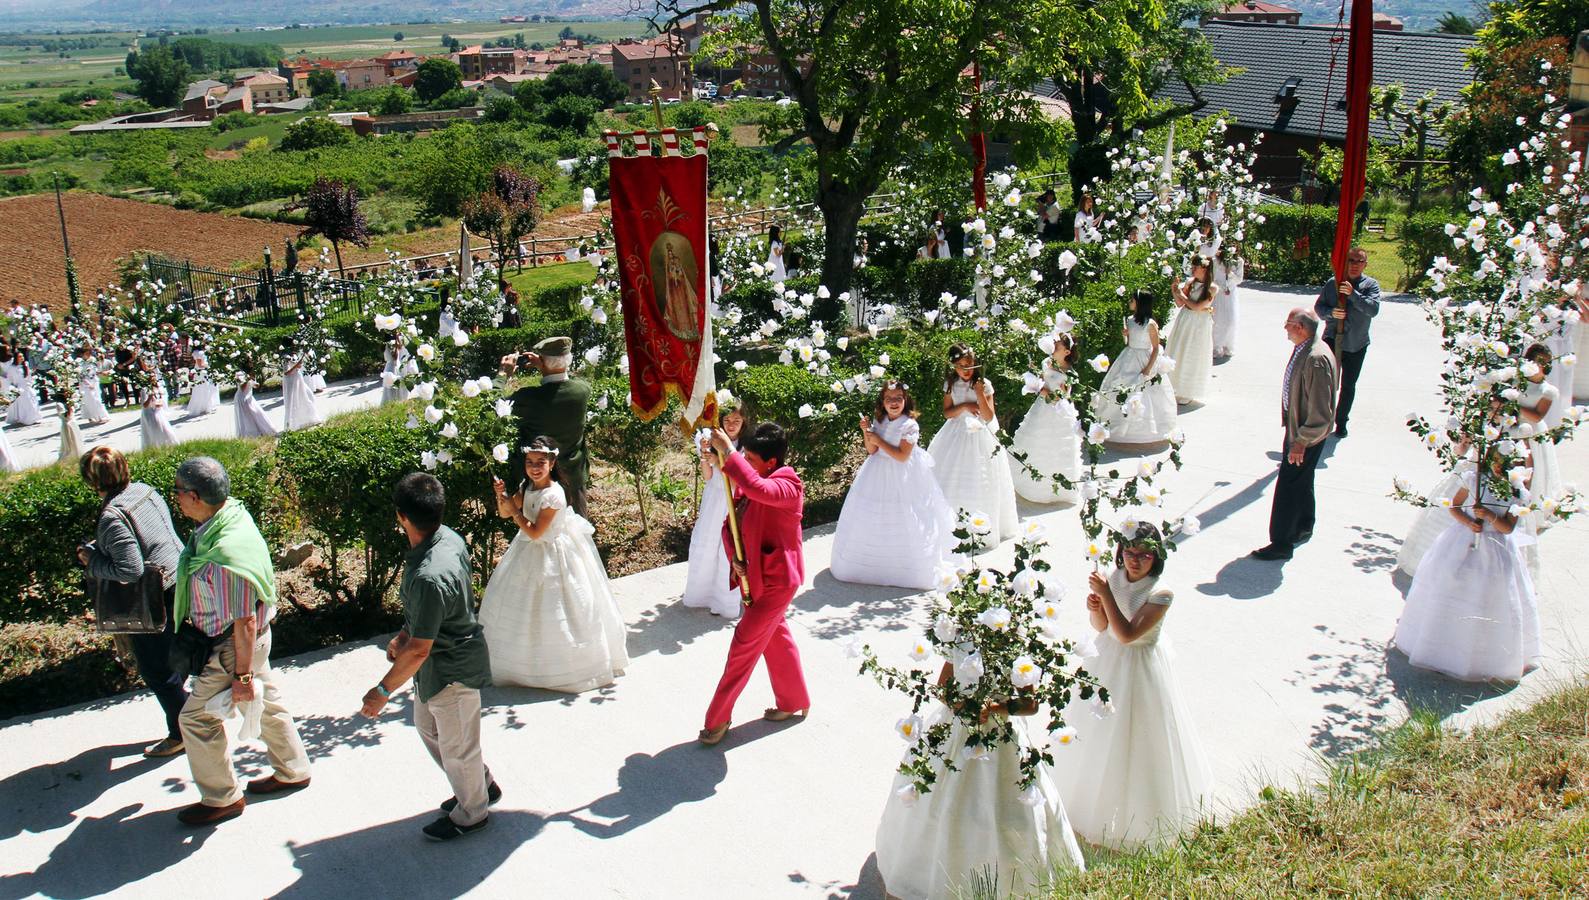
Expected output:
{"points": [[1383, 263], [272, 127], [1501, 812], [555, 275]]}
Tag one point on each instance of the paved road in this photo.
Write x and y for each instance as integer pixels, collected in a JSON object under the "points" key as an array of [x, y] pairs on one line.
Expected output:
{"points": [[40, 445], [607, 795]]}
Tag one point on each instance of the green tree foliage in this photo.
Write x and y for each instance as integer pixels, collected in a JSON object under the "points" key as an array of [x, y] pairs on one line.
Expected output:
{"points": [[457, 98], [1414, 121], [394, 101], [635, 447], [1455, 23], [161, 76], [1507, 80], [596, 83], [506, 211], [323, 83], [527, 94], [205, 55], [398, 37], [314, 132], [570, 113], [436, 77]]}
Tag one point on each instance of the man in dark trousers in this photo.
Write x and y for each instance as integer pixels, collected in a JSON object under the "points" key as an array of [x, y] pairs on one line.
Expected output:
{"points": [[1307, 406], [1346, 328], [555, 407]]}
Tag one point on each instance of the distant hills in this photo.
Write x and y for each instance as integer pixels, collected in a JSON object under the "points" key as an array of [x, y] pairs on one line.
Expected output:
{"points": [[33, 15]]}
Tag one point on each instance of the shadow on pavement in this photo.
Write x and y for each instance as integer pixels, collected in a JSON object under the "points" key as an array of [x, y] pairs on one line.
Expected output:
{"points": [[396, 856], [1423, 690], [1244, 579], [323, 734], [650, 785], [106, 853], [1223, 510], [1373, 551], [670, 627], [854, 608], [45, 797], [868, 885]]}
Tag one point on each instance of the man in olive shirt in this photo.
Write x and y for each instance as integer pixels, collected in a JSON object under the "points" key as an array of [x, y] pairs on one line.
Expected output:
{"points": [[556, 407], [443, 649]]}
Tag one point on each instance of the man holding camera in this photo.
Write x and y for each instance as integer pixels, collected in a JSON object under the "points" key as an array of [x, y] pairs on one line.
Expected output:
{"points": [[555, 407]]}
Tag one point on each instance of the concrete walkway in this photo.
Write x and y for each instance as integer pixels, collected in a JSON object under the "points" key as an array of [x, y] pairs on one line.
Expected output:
{"points": [[607, 794], [40, 445]]}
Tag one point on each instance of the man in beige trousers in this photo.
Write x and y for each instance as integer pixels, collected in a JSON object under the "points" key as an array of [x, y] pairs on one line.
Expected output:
{"points": [[1307, 411], [226, 589]]}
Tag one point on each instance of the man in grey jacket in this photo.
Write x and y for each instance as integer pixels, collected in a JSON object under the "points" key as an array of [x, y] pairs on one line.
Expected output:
{"points": [[1307, 407], [1346, 326]]}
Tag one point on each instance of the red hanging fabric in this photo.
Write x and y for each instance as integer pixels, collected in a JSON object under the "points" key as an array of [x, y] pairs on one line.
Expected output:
{"points": [[1354, 168], [979, 143]]}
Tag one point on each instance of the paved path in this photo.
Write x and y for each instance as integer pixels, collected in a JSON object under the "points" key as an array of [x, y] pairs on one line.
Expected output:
{"points": [[607, 795], [40, 445]]}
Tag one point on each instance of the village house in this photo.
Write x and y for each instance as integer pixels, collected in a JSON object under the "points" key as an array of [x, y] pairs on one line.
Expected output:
{"points": [[209, 98], [397, 62], [1280, 82], [1258, 11], [265, 88], [479, 63], [665, 60]]}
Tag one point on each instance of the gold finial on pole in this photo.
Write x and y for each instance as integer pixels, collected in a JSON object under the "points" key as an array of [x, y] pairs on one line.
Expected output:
{"points": [[656, 102]]}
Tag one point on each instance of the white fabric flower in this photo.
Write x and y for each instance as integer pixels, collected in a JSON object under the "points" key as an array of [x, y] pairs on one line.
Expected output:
{"points": [[944, 628], [470, 389], [503, 408], [432, 415], [428, 460], [994, 617], [1025, 672], [500, 453], [909, 728], [460, 338], [805, 411], [427, 352], [449, 430], [968, 671]]}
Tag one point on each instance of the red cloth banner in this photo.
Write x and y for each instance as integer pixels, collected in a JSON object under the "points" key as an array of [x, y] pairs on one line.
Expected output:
{"points": [[659, 227], [1354, 167]]}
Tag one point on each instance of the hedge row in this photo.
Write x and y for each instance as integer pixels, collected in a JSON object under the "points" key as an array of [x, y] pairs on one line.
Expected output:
{"points": [[1283, 257]]}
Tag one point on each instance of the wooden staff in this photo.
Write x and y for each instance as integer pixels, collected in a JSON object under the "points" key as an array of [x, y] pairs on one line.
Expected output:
{"points": [[714, 421]]}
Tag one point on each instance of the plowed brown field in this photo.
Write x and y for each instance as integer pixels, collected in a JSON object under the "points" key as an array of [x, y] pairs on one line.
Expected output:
{"points": [[105, 229]]}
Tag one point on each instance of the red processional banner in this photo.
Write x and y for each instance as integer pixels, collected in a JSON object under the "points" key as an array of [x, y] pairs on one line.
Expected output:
{"points": [[659, 228], [1354, 164]]}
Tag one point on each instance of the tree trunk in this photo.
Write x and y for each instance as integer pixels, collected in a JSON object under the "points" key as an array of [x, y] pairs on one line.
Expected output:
{"points": [[336, 247], [640, 497], [1417, 172], [841, 218]]}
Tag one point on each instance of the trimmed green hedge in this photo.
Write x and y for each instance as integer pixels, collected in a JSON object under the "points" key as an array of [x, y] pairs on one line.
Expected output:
{"points": [[39, 577], [775, 393], [1279, 232], [1423, 237]]}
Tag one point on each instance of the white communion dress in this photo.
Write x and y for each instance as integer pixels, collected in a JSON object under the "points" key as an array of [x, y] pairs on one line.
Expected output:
{"points": [[250, 416], [1432, 520], [93, 411], [1580, 377], [775, 268], [1050, 436], [1547, 481], [71, 438], [1562, 342], [1148, 415], [8, 457], [1138, 776], [301, 410], [973, 825], [1229, 278], [153, 425], [1471, 613], [896, 528], [24, 409], [706, 585], [1191, 344], [549, 615], [971, 468], [395, 360], [206, 396]]}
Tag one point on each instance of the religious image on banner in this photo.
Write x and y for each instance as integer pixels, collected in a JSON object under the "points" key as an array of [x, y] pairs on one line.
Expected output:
{"points": [[659, 225]]}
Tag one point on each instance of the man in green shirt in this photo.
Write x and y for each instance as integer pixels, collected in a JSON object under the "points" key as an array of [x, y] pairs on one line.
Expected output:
{"points": [[556, 407], [443, 649]]}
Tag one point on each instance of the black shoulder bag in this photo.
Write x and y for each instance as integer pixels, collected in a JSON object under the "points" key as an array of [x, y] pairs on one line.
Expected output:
{"points": [[136, 607]]}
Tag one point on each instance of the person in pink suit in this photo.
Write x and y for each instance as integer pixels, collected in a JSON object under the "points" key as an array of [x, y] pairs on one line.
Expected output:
{"points": [[770, 500]]}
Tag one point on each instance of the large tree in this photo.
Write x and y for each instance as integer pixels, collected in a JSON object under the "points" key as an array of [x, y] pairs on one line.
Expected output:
{"points": [[436, 77], [506, 211], [1108, 58], [161, 76], [871, 80]]}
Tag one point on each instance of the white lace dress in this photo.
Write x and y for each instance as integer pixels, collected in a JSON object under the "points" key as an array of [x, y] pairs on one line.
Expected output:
{"points": [[1471, 613], [71, 438], [1148, 415], [1562, 342], [896, 528], [250, 416], [1547, 480], [153, 424], [8, 457], [973, 825], [549, 615], [1050, 436], [706, 584], [1191, 344], [24, 409], [1137, 776], [93, 411], [971, 467], [1432, 520], [301, 410], [1229, 278], [206, 396], [775, 268]]}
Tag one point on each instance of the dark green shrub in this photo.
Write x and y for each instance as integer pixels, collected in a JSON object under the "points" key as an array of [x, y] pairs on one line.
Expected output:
{"points": [[775, 393], [928, 279], [1422, 238], [51, 511], [1277, 260]]}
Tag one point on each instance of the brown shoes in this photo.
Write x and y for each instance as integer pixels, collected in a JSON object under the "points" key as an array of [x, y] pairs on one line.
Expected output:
{"points": [[163, 748], [712, 736], [198, 814], [780, 715], [270, 784]]}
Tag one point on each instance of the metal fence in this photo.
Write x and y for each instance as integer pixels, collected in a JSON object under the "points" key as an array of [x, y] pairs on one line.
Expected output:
{"points": [[262, 298]]}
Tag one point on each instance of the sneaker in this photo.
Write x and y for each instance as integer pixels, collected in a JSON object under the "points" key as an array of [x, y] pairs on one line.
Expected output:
{"points": [[493, 794], [445, 829], [165, 747]]}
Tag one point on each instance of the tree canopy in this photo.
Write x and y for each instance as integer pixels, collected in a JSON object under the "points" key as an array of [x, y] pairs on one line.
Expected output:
{"points": [[161, 76], [436, 77]]}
